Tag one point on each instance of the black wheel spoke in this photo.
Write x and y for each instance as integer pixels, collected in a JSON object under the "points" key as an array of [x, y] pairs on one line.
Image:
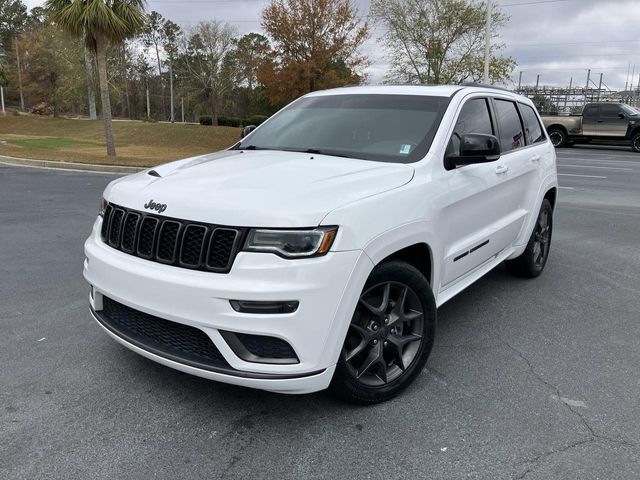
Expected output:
{"points": [[388, 320], [396, 351], [382, 371], [373, 358], [411, 316], [384, 303], [404, 340], [355, 351]]}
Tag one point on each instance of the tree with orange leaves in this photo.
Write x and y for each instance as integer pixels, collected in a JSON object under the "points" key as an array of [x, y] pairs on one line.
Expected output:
{"points": [[315, 46]]}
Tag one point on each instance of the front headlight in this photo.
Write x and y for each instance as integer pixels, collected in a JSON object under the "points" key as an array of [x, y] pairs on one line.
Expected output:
{"points": [[292, 243], [103, 206]]}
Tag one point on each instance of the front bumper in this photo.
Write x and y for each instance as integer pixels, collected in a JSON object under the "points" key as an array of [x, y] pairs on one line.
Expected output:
{"points": [[327, 288]]}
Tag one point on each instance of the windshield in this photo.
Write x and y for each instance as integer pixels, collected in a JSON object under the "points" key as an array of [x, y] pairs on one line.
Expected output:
{"points": [[629, 110], [385, 128]]}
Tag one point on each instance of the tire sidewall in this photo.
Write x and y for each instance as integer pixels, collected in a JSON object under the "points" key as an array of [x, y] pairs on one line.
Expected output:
{"points": [[404, 273], [635, 143], [546, 205], [563, 137]]}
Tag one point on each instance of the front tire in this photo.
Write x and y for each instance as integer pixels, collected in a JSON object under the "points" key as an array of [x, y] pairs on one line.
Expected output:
{"points": [[558, 137], [390, 336], [533, 260], [635, 143]]}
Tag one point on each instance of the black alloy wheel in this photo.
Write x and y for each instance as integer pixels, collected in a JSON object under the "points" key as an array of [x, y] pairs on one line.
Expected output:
{"points": [[390, 335], [542, 238], [635, 143], [533, 260], [385, 333], [558, 138]]}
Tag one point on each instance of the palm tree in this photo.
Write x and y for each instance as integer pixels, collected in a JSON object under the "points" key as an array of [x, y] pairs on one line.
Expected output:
{"points": [[101, 22]]}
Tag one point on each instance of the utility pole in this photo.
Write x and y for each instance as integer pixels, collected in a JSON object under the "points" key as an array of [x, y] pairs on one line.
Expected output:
{"points": [[588, 79], [520, 81], [537, 82], [173, 117], [626, 84], [599, 87], [566, 97], [182, 105], [19, 75], [487, 43]]}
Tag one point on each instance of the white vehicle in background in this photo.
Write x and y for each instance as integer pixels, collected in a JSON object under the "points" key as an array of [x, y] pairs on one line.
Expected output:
{"points": [[315, 252]]}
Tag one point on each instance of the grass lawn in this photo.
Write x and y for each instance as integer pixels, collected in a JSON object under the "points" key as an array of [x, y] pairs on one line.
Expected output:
{"points": [[137, 143]]}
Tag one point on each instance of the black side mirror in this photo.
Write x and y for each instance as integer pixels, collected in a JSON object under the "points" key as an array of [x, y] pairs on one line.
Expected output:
{"points": [[247, 130], [621, 116], [474, 148]]}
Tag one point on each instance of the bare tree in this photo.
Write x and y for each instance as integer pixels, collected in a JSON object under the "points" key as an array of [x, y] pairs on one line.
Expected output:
{"points": [[439, 41], [208, 61]]}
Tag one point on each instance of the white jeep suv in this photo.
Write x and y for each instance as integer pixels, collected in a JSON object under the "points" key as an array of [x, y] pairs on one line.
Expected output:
{"points": [[315, 252]]}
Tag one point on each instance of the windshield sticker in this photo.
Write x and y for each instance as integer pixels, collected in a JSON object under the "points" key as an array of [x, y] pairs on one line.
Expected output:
{"points": [[405, 149]]}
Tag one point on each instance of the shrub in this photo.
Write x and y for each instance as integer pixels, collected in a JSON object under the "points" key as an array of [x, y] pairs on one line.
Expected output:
{"points": [[257, 119], [206, 120]]}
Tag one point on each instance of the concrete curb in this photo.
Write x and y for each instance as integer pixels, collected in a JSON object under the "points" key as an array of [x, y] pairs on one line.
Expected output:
{"points": [[82, 167]]}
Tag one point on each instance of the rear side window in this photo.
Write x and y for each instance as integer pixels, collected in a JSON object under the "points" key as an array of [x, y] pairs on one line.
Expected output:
{"points": [[591, 111], [610, 110], [532, 128], [511, 135]]}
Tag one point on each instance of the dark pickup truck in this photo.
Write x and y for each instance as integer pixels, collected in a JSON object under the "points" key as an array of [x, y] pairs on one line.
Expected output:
{"points": [[599, 123]]}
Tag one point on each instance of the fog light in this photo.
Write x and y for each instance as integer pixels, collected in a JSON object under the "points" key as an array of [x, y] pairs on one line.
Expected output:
{"points": [[269, 308]]}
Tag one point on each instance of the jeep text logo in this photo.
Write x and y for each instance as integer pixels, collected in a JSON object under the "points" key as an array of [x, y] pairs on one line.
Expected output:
{"points": [[158, 207]]}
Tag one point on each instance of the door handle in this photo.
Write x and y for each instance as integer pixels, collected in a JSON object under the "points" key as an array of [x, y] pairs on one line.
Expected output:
{"points": [[500, 169], [536, 158], [600, 121]]}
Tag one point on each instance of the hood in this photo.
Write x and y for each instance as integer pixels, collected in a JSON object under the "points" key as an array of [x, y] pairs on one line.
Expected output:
{"points": [[258, 188]]}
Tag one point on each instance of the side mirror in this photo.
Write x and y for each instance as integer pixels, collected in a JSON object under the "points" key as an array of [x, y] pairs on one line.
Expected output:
{"points": [[474, 148], [622, 116], [247, 130]]}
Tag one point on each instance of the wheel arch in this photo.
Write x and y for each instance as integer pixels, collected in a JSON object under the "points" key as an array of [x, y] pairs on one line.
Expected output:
{"points": [[418, 255], [558, 126], [413, 243], [552, 196]]}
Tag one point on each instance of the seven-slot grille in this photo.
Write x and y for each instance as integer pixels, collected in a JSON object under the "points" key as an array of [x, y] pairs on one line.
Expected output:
{"points": [[171, 241]]}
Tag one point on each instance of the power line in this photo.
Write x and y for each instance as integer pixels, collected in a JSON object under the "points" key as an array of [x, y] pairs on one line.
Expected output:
{"points": [[570, 43], [532, 3]]}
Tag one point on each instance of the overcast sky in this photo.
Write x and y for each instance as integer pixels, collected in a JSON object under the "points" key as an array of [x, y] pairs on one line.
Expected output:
{"points": [[557, 39]]}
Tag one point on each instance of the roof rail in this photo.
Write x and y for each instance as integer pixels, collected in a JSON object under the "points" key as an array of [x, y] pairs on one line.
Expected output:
{"points": [[482, 85]]}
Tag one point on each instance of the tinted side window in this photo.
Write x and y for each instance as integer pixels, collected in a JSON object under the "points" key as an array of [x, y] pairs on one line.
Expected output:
{"points": [[474, 118], [610, 111], [532, 128], [591, 111], [511, 136]]}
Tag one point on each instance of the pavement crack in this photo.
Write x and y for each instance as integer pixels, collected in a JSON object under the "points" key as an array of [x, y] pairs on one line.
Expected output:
{"points": [[533, 463], [593, 436]]}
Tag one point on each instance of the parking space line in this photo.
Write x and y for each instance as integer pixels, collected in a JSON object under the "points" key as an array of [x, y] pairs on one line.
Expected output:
{"points": [[566, 188], [597, 167], [583, 176]]}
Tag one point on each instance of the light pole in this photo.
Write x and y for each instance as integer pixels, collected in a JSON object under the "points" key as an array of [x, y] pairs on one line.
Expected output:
{"points": [[487, 43]]}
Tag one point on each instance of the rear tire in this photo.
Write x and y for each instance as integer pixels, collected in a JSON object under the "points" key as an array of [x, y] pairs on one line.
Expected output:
{"points": [[635, 142], [533, 260], [558, 137], [390, 336]]}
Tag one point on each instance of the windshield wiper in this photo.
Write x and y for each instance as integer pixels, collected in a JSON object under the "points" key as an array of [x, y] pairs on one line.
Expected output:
{"points": [[319, 151], [253, 147]]}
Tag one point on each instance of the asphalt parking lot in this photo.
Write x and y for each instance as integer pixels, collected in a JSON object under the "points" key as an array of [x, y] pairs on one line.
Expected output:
{"points": [[528, 379]]}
